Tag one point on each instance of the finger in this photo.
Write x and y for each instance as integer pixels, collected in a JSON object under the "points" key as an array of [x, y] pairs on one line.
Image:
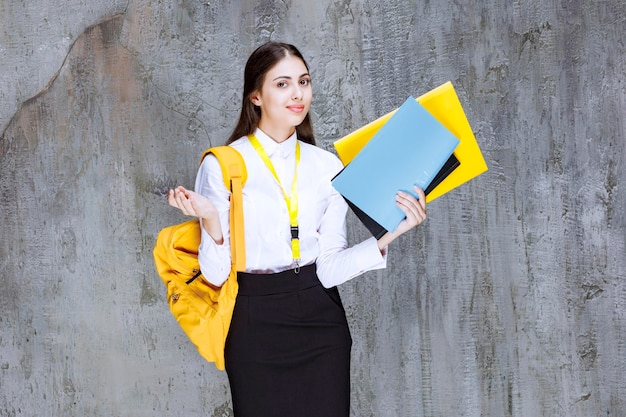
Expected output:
{"points": [[410, 201], [419, 202], [191, 204], [188, 206], [181, 191], [173, 196], [421, 197], [170, 198], [173, 199], [410, 208], [414, 214], [183, 202]]}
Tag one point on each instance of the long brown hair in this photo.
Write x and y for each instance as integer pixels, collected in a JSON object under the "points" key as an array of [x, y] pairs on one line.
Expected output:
{"points": [[259, 63]]}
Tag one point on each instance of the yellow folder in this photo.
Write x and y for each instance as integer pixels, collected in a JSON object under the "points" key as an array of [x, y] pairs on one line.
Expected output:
{"points": [[444, 105]]}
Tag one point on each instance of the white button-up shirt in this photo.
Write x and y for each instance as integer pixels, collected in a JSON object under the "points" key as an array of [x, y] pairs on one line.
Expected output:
{"points": [[321, 217]]}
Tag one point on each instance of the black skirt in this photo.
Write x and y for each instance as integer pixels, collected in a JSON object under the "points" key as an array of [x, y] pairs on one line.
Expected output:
{"points": [[288, 347]]}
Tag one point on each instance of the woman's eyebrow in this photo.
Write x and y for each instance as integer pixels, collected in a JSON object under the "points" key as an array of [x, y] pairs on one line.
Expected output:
{"points": [[288, 77]]}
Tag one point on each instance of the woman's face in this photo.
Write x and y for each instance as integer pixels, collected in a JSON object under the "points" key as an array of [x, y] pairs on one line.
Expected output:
{"points": [[285, 97]]}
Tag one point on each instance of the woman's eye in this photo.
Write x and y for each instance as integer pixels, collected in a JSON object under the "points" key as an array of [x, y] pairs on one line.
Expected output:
{"points": [[282, 84], [305, 81]]}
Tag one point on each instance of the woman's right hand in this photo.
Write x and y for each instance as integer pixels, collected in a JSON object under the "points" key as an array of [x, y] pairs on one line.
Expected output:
{"points": [[197, 205], [191, 203]]}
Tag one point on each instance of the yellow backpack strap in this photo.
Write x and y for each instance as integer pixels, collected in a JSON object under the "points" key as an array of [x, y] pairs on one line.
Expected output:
{"points": [[235, 176]]}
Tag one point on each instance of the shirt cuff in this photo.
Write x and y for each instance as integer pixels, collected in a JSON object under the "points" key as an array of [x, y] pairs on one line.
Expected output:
{"points": [[377, 258], [214, 260]]}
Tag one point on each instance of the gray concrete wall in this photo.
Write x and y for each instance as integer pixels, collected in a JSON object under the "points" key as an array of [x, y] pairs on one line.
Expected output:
{"points": [[509, 301]]}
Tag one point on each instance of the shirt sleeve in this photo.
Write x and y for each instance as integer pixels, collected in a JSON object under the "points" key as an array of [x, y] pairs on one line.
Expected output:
{"points": [[214, 259], [338, 263]]}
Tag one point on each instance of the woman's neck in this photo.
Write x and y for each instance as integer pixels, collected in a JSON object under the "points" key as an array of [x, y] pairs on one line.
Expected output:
{"points": [[277, 134]]}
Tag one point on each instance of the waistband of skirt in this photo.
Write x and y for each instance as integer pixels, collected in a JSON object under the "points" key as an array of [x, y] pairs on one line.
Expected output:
{"points": [[278, 282]]}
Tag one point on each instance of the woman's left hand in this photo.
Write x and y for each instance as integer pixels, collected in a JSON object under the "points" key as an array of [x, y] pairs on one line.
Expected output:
{"points": [[414, 210]]}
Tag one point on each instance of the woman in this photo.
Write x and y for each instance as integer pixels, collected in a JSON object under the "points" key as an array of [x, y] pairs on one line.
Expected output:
{"points": [[288, 347]]}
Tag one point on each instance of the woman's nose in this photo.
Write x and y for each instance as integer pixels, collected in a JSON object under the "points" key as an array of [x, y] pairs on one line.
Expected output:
{"points": [[297, 92]]}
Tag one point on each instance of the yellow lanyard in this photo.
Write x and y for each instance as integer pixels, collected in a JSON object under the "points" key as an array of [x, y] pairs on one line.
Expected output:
{"points": [[292, 201]]}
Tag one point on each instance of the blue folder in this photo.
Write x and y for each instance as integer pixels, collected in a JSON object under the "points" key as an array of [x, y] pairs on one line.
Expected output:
{"points": [[411, 148], [376, 229]]}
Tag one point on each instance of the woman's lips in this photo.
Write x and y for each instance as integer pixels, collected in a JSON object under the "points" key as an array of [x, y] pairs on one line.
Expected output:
{"points": [[298, 108]]}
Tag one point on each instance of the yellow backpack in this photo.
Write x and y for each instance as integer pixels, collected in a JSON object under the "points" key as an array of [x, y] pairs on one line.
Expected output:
{"points": [[204, 311]]}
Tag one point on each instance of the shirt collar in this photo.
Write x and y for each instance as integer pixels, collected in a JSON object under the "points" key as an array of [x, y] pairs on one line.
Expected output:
{"points": [[286, 148]]}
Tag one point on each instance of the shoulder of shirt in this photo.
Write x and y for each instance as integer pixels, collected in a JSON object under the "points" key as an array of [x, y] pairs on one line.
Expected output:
{"points": [[325, 157], [237, 144]]}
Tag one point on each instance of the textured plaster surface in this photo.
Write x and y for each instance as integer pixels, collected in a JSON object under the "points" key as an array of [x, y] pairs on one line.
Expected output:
{"points": [[509, 301]]}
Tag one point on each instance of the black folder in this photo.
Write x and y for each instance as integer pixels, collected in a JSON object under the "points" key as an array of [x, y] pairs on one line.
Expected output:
{"points": [[376, 229]]}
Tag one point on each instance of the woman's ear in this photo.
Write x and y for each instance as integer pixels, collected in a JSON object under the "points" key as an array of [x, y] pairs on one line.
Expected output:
{"points": [[255, 99]]}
